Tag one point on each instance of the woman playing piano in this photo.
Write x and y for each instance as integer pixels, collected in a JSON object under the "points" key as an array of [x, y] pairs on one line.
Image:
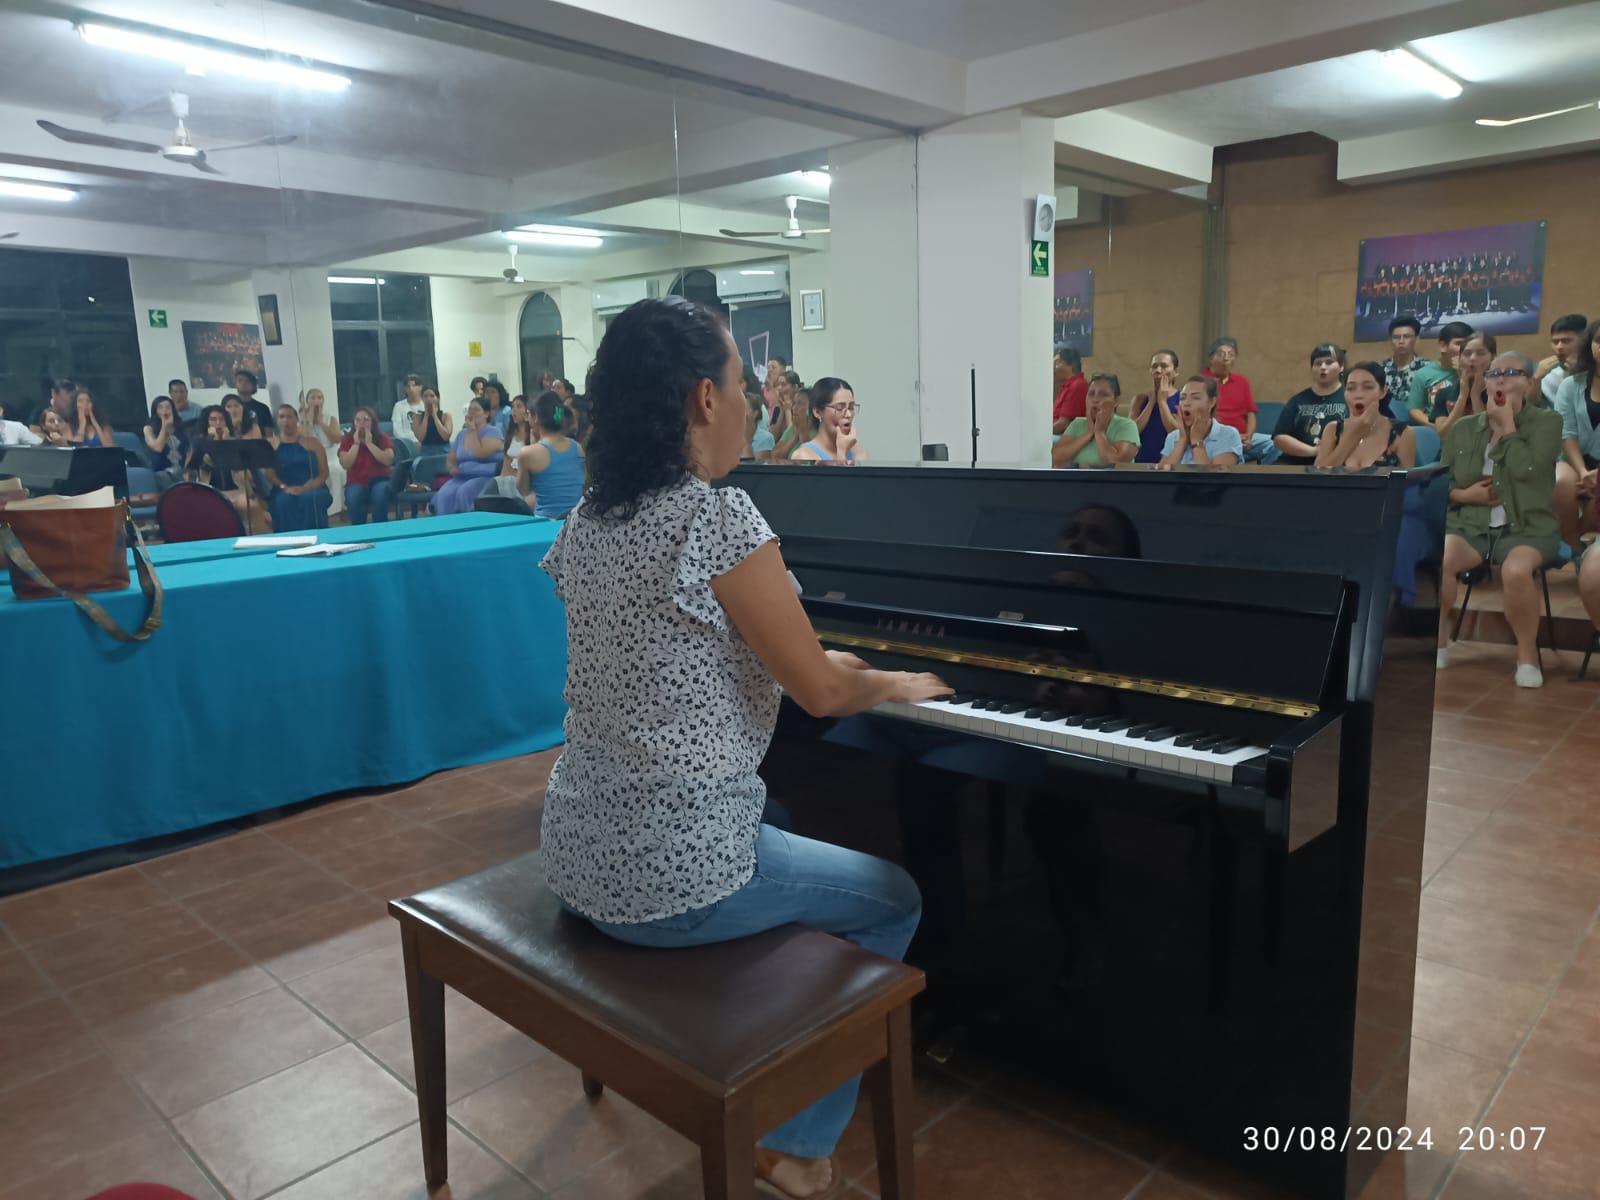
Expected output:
{"points": [[683, 629]]}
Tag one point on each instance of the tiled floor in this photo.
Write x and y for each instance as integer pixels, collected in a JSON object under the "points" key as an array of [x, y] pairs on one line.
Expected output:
{"points": [[231, 1020]]}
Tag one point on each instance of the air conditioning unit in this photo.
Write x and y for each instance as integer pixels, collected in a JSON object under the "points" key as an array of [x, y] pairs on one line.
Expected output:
{"points": [[753, 282], [614, 295]]}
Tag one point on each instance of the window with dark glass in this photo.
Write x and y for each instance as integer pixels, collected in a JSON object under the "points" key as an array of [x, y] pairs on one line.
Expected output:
{"points": [[539, 333], [382, 332]]}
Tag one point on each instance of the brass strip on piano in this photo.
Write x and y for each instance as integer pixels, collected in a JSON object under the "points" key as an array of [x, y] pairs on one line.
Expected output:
{"points": [[1126, 683]]}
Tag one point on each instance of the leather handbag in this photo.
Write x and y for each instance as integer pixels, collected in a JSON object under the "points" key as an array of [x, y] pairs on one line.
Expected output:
{"points": [[68, 552]]}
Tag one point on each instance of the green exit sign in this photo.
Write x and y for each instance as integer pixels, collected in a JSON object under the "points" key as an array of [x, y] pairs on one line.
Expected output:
{"points": [[158, 318], [1039, 260]]}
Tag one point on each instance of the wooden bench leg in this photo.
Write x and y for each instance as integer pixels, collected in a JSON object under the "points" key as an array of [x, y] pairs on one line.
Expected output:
{"points": [[592, 1087], [888, 1085], [425, 996], [728, 1158]]}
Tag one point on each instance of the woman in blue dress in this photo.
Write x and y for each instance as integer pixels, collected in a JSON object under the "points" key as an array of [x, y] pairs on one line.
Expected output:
{"points": [[299, 497], [474, 459]]}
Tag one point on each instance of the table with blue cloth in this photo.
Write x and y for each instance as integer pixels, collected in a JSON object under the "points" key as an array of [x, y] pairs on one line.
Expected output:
{"points": [[276, 680]]}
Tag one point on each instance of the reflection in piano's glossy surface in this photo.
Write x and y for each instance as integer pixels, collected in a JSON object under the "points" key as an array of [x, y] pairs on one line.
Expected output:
{"points": [[1140, 826]]}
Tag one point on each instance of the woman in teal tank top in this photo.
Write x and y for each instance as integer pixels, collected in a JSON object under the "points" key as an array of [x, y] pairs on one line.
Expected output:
{"points": [[550, 472]]}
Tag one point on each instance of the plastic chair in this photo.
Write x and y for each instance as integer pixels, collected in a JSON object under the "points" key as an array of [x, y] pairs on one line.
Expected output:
{"points": [[423, 469], [193, 512], [1267, 414], [1594, 644], [1476, 575], [142, 482], [133, 444], [502, 504], [1429, 444]]}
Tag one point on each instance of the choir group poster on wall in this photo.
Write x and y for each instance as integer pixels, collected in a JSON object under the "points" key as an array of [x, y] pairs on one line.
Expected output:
{"points": [[1074, 322], [1490, 277], [216, 349]]}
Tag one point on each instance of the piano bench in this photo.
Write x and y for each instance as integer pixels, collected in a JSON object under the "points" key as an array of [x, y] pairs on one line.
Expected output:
{"points": [[722, 1043]]}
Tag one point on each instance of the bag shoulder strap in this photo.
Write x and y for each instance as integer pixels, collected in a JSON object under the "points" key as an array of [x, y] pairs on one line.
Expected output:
{"points": [[149, 584]]}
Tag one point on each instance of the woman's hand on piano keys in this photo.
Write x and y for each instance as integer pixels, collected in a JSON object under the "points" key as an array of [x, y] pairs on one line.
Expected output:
{"points": [[843, 658], [912, 687]]}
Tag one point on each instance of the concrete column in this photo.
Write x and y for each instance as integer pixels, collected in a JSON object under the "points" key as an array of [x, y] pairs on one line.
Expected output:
{"points": [[979, 305], [305, 317]]}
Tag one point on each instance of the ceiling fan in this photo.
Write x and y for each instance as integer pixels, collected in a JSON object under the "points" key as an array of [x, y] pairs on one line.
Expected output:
{"points": [[181, 150], [510, 274], [793, 231]]}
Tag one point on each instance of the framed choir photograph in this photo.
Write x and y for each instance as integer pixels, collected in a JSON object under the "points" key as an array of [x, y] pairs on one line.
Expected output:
{"points": [[811, 314], [1491, 277], [216, 349], [1074, 318], [271, 332]]}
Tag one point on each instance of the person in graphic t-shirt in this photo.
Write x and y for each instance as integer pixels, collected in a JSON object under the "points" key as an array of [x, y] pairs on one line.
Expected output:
{"points": [[1299, 426]]}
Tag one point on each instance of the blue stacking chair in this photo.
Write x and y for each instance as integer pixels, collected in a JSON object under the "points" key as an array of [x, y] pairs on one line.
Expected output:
{"points": [[1429, 446], [133, 444], [142, 482], [421, 469]]}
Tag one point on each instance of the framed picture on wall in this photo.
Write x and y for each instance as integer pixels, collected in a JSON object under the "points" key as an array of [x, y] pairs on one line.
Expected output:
{"points": [[1491, 277], [1074, 315], [811, 314], [216, 349], [270, 331]]}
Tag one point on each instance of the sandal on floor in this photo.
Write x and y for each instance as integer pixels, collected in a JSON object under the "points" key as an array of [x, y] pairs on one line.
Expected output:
{"points": [[836, 1183]]}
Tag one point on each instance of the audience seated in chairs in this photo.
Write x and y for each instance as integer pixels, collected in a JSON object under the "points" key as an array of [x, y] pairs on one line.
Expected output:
{"points": [[1472, 392], [758, 435], [367, 455], [1101, 438], [473, 461], [550, 472], [432, 426], [796, 426], [1298, 432], [408, 409], [1156, 412], [1435, 386], [833, 413], [88, 428], [524, 433], [1368, 437], [1578, 403], [247, 502], [315, 422], [1236, 405], [16, 433], [299, 498], [53, 428], [167, 438], [494, 394], [1200, 439], [1502, 465]]}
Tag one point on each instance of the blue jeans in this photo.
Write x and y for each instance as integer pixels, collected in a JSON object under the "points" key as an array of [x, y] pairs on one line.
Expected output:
{"points": [[863, 899], [1262, 449], [367, 500]]}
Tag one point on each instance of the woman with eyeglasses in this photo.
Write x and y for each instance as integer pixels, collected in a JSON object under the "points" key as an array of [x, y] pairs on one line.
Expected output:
{"points": [[1502, 465], [834, 408]]}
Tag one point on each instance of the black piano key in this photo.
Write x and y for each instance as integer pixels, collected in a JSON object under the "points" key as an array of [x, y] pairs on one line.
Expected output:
{"points": [[1160, 733], [1073, 719], [1229, 746], [1033, 713], [1210, 743], [1095, 722], [1050, 714], [1116, 725], [1138, 731], [962, 698], [1012, 706], [984, 703], [1188, 739]]}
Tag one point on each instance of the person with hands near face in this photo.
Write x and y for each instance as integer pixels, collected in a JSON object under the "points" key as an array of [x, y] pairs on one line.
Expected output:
{"points": [[432, 426], [1367, 437], [1200, 439], [407, 409], [833, 410], [474, 460], [367, 456], [1577, 402], [53, 428], [167, 440], [313, 419], [1472, 391], [1502, 464], [1101, 438], [1156, 412], [88, 429], [683, 634]]}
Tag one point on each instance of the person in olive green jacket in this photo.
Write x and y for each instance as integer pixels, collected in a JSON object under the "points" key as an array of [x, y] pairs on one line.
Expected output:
{"points": [[1502, 466]]}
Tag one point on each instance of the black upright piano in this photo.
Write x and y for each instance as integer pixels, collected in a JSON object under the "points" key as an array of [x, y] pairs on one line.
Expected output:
{"points": [[1169, 828]]}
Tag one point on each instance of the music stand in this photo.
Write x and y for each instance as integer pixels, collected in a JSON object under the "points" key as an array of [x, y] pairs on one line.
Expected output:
{"points": [[243, 454]]}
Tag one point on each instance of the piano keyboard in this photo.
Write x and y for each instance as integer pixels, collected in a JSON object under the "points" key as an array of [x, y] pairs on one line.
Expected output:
{"points": [[1114, 739]]}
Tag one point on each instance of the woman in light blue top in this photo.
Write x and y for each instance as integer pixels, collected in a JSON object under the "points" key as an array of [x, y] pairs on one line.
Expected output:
{"points": [[834, 408], [550, 472], [1200, 439], [1578, 402], [473, 461]]}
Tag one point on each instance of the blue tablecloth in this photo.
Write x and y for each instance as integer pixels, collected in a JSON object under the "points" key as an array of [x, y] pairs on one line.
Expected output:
{"points": [[276, 680]]}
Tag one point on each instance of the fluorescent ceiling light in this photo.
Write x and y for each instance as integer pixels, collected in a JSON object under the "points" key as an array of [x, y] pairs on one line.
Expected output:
{"points": [[36, 191], [758, 272], [1495, 123], [201, 57], [1423, 74], [572, 230], [582, 241], [355, 279]]}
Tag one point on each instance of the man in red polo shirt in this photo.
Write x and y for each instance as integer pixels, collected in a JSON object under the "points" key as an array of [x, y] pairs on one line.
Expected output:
{"points": [[1072, 389], [1235, 404]]}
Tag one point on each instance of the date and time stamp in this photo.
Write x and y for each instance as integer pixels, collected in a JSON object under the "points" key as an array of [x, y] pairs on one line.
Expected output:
{"points": [[1284, 1139]]}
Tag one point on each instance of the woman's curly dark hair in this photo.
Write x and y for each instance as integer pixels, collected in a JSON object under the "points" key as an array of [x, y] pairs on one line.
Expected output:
{"points": [[652, 356]]}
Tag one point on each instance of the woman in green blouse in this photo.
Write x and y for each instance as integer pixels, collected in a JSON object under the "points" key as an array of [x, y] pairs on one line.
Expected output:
{"points": [[1502, 465]]}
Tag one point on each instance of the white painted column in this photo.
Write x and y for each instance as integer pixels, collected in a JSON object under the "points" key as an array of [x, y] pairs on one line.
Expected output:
{"points": [[979, 305], [305, 316]]}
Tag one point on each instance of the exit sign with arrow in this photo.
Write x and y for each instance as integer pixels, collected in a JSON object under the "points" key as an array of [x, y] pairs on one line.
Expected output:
{"points": [[1040, 258]]}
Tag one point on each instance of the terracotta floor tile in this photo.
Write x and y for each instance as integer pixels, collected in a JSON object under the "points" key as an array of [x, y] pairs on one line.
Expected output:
{"points": [[39, 1038], [445, 796], [153, 1157], [479, 1047], [337, 826], [46, 1123], [1165, 1187], [507, 829], [1512, 887], [1090, 1116], [934, 1094], [539, 1121], [1565, 1045], [20, 983], [1500, 945], [1566, 1166], [1486, 762], [372, 864], [1484, 1018], [1557, 796], [1394, 862], [317, 1112], [1558, 692], [1465, 790], [431, 876], [1447, 1089], [391, 1169], [984, 1149], [660, 1165], [1450, 825], [147, 998], [183, 1066], [1523, 737], [1581, 983], [50, 912], [216, 864], [119, 944], [1507, 838], [360, 995], [269, 895], [319, 937], [1535, 714], [1412, 1175]]}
